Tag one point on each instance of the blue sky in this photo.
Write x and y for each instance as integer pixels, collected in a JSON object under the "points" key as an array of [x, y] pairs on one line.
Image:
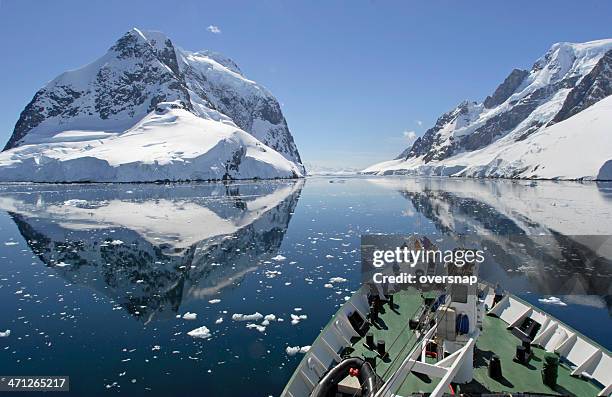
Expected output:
{"points": [[352, 76]]}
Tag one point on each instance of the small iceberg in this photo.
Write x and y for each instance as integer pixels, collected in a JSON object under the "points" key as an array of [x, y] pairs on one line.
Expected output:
{"points": [[247, 317], [189, 316], [293, 350], [202, 333], [553, 300]]}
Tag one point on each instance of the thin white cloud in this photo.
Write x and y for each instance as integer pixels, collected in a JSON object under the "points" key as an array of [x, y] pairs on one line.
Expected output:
{"points": [[410, 136], [213, 29]]}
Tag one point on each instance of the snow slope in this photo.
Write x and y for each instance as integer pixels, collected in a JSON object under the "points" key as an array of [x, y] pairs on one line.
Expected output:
{"points": [[577, 148], [103, 122], [551, 122], [170, 143]]}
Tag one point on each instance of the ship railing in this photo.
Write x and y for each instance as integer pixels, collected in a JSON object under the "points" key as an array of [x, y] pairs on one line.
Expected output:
{"points": [[586, 358]]}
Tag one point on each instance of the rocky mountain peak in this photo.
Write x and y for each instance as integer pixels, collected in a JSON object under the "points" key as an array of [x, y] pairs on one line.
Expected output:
{"points": [[142, 69]]}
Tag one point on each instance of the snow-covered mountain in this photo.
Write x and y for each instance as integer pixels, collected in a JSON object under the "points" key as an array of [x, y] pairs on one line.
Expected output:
{"points": [[148, 110], [552, 122]]}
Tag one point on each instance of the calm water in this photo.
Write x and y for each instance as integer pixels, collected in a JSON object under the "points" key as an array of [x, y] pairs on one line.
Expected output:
{"points": [[95, 279]]}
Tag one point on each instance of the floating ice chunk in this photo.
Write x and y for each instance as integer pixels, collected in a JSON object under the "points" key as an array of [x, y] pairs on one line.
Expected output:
{"points": [[292, 351], [213, 301], [328, 286], [75, 202], [156, 347], [9, 243], [116, 242], [295, 319], [297, 309], [272, 273], [62, 264], [553, 300], [278, 258], [260, 328], [329, 256], [247, 317], [270, 317], [337, 280], [219, 320], [5, 334], [202, 333], [189, 316]]}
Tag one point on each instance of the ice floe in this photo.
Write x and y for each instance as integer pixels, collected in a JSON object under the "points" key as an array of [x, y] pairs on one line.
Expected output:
{"points": [[260, 328], [279, 258], [295, 319], [189, 316], [334, 280], [5, 334], [293, 350], [247, 317], [272, 273], [553, 300], [213, 301], [203, 333]]}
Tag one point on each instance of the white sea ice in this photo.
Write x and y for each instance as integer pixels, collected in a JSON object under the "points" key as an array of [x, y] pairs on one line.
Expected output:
{"points": [[189, 316], [5, 334], [260, 328], [202, 333], [295, 319], [247, 317], [293, 350], [279, 258], [553, 300], [270, 317], [337, 280]]}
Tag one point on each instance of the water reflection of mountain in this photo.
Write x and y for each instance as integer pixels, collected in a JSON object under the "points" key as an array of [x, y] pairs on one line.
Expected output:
{"points": [[544, 237], [150, 247]]}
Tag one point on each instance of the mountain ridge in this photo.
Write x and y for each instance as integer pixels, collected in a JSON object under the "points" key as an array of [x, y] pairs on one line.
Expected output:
{"points": [[566, 80]]}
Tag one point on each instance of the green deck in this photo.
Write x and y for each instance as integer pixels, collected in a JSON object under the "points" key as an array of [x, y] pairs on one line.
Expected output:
{"points": [[495, 339]]}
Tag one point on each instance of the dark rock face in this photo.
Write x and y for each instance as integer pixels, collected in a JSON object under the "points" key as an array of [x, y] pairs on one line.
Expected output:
{"points": [[507, 88], [29, 118], [116, 93], [503, 123], [424, 145], [245, 110], [594, 87]]}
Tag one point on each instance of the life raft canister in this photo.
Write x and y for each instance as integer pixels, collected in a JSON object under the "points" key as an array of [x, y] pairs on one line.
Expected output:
{"points": [[369, 381]]}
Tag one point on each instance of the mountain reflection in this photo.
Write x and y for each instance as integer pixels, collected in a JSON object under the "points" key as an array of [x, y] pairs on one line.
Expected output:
{"points": [[541, 237], [150, 247]]}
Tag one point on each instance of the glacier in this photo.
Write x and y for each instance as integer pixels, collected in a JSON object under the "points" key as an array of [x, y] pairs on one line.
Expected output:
{"points": [[149, 111]]}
